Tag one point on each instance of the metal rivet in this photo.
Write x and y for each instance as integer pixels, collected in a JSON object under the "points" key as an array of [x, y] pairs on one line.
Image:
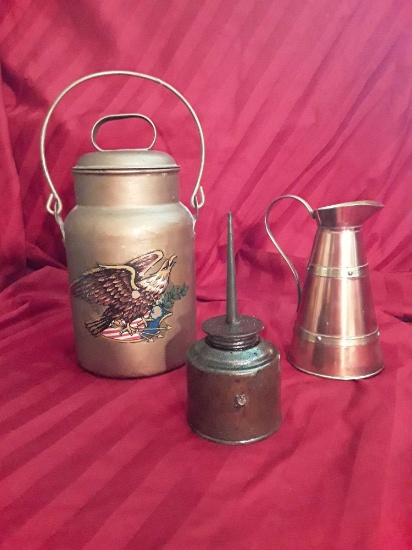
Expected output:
{"points": [[350, 273], [318, 338], [240, 400]]}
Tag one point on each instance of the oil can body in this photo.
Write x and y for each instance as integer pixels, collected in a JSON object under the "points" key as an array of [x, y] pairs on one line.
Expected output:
{"points": [[233, 396]]}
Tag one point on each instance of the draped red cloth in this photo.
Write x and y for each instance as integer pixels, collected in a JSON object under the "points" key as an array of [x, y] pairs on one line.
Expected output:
{"points": [[295, 96]]}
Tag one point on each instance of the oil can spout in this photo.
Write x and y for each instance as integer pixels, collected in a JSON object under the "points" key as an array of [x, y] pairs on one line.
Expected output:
{"points": [[232, 331], [232, 315], [347, 214]]}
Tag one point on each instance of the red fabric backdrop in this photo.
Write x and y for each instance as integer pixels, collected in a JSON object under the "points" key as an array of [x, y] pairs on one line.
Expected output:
{"points": [[295, 96]]}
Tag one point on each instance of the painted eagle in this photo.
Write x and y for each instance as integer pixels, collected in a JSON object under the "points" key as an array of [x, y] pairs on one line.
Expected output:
{"points": [[127, 291]]}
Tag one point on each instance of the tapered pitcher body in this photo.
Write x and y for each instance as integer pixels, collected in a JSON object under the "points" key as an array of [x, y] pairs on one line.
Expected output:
{"points": [[336, 333]]}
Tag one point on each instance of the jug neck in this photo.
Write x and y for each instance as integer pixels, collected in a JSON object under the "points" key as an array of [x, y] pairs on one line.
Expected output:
{"points": [[126, 190], [347, 214]]}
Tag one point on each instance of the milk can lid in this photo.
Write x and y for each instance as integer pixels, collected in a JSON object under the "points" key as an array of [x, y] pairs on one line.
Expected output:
{"points": [[126, 160]]}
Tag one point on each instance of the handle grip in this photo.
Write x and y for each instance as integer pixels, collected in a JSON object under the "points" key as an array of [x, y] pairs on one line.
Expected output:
{"points": [[122, 116], [291, 266], [54, 204]]}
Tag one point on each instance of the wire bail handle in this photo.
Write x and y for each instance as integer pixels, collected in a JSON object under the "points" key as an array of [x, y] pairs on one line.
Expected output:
{"points": [[54, 204], [291, 266]]}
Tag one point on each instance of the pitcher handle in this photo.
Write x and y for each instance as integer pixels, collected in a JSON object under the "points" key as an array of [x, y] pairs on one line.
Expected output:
{"points": [[54, 204], [292, 267]]}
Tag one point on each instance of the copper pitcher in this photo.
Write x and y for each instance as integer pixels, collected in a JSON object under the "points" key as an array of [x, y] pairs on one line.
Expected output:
{"points": [[130, 253], [335, 333]]}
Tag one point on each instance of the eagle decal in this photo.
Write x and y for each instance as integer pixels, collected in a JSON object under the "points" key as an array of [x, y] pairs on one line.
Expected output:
{"points": [[135, 297]]}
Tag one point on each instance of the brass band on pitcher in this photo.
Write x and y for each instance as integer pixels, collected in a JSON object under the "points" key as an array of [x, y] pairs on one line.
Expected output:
{"points": [[355, 272], [328, 340]]}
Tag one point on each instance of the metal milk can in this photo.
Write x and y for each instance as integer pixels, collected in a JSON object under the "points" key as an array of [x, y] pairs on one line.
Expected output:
{"points": [[335, 333], [130, 254]]}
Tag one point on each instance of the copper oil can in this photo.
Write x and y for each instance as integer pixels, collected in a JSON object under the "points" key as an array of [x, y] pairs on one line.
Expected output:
{"points": [[233, 375]]}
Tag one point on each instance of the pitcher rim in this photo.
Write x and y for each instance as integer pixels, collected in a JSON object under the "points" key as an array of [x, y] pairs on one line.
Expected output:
{"points": [[351, 203]]}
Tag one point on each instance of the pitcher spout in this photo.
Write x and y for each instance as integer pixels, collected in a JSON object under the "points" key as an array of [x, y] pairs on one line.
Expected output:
{"points": [[347, 214]]}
